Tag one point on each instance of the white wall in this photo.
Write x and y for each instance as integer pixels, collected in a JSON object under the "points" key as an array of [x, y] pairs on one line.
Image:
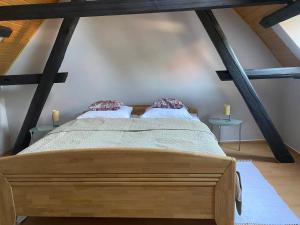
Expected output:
{"points": [[291, 26], [289, 32], [291, 115], [140, 58], [290, 38]]}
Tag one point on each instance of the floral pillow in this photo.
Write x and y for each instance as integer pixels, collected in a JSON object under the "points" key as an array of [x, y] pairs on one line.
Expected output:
{"points": [[107, 105], [168, 103]]}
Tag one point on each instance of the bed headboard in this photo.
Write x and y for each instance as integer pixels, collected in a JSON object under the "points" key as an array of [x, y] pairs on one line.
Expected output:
{"points": [[140, 109]]}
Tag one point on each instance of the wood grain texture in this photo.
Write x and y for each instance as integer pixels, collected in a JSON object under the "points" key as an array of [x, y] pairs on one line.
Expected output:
{"points": [[137, 183], [253, 15], [115, 221], [11, 47], [283, 177], [120, 160], [224, 199], [7, 207], [140, 109], [142, 201]]}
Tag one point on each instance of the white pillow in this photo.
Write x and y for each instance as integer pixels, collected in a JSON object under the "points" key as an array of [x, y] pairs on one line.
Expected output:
{"points": [[167, 113], [123, 112]]}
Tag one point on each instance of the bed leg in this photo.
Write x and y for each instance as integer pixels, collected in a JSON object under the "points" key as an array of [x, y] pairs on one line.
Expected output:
{"points": [[7, 207], [224, 197]]}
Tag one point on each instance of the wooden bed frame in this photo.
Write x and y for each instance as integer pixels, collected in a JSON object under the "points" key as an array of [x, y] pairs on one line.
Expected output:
{"points": [[123, 183]]}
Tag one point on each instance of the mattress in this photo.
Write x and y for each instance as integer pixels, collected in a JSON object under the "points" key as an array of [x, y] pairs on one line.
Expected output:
{"points": [[169, 134]]}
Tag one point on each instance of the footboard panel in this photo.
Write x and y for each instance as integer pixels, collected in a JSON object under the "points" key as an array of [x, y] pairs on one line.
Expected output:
{"points": [[115, 201], [139, 183]]}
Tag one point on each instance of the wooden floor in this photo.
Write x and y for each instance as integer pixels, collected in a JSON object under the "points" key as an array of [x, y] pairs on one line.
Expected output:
{"points": [[284, 177]]}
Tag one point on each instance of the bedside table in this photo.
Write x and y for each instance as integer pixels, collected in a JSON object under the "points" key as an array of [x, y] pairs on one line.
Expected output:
{"points": [[226, 122], [41, 129]]}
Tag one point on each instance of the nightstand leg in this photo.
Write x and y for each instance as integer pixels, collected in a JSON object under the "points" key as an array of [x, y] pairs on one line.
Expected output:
{"points": [[240, 136], [31, 135], [220, 134]]}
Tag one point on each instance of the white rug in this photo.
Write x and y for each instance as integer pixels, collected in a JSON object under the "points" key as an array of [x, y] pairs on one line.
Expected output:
{"points": [[261, 203]]}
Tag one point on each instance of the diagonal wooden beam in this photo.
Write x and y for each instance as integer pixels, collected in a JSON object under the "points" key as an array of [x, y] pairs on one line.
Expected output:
{"points": [[270, 73], [5, 31], [43, 89], [29, 79], [116, 7], [281, 15], [244, 86]]}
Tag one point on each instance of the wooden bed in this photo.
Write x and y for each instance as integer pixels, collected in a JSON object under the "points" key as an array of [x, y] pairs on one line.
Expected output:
{"points": [[124, 183]]}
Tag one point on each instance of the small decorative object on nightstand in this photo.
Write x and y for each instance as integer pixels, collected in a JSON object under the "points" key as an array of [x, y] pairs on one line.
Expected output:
{"points": [[227, 111], [226, 122], [55, 118]]}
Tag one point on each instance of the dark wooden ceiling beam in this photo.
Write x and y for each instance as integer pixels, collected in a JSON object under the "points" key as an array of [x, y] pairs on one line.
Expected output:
{"points": [[269, 73], [117, 7], [244, 86], [44, 87], [29, 79], [281, 15], [5, 32]]}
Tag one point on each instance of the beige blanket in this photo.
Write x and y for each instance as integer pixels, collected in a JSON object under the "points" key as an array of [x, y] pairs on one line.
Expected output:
{"points": [[173, 134], [177, 134]]}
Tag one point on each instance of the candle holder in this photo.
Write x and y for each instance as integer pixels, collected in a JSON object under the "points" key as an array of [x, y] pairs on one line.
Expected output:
{"points": [[55, 118], [227, 111]]}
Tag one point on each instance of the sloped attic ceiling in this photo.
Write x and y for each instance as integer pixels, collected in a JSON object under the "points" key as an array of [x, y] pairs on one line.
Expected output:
{"points": [[252, 16], [11, 47]]}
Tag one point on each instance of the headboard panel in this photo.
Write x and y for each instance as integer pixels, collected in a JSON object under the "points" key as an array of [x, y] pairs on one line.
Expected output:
{"points": [[140, 109]]}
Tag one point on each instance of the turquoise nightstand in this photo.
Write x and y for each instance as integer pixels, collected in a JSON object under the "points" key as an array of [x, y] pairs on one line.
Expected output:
{"points": [[226, 122], [41, 129]]}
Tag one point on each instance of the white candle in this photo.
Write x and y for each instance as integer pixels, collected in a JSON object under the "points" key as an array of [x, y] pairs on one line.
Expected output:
{"points": [[227, 110], [55, 116]]}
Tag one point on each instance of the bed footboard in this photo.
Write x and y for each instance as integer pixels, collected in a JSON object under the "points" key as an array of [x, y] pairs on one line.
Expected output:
{"points": [[137, 183]]}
